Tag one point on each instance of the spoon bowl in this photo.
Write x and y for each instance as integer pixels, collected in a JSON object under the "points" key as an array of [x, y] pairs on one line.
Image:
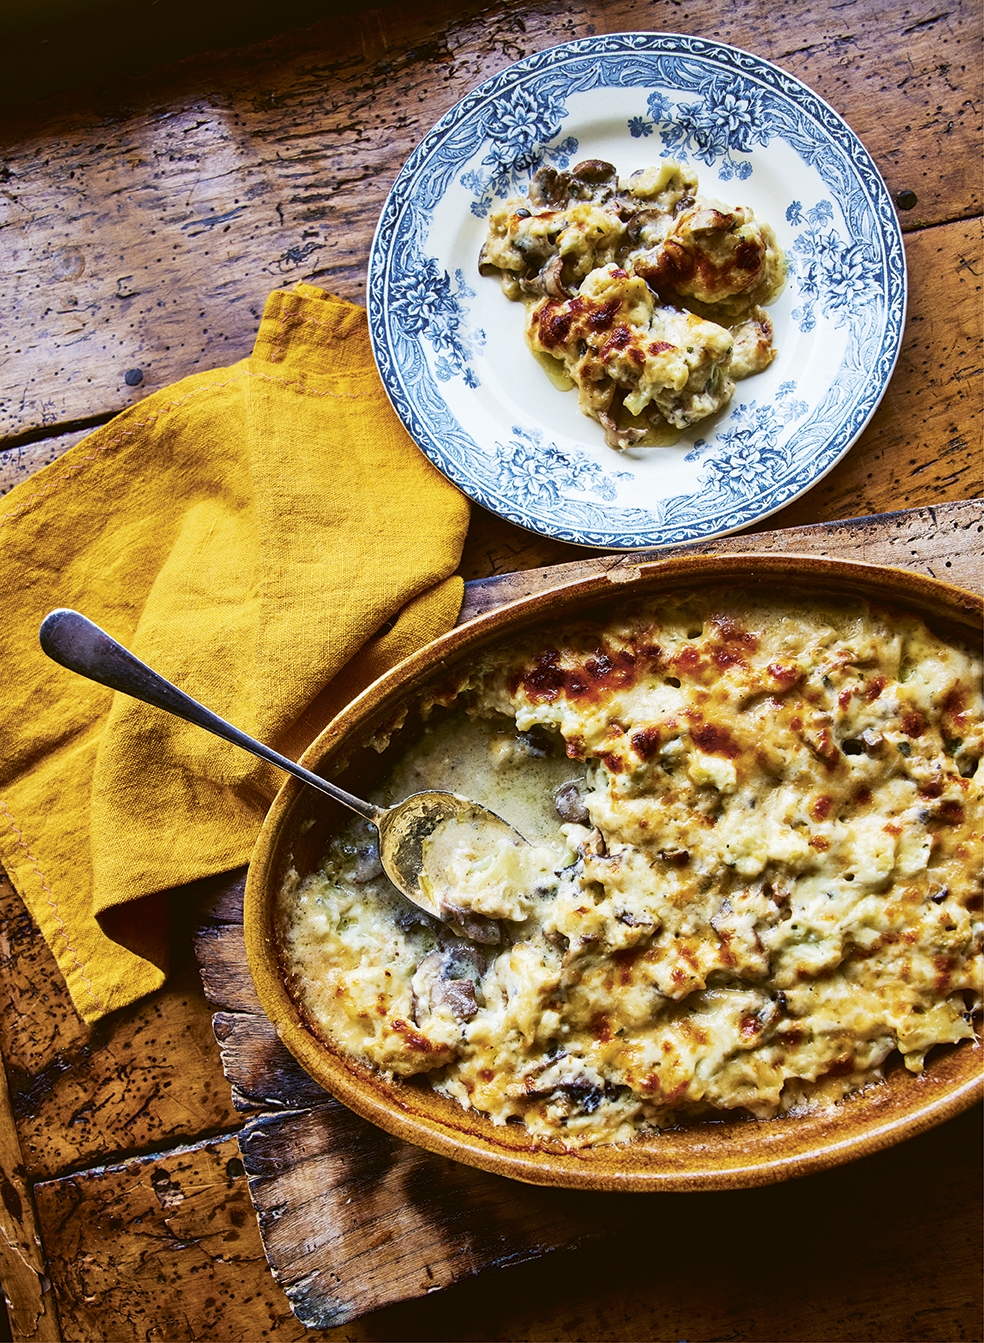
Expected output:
{"points": [[72, 640]]}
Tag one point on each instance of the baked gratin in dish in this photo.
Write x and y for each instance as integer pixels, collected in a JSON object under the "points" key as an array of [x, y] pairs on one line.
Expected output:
{"points": [[747, 939]]}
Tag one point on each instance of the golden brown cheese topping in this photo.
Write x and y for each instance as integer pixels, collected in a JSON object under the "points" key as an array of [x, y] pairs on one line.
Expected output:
{"points": [[765, 821], [650, 296]]}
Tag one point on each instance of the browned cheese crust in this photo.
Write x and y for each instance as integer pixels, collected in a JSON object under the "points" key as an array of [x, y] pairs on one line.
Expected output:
{"points": [[650, 297]]}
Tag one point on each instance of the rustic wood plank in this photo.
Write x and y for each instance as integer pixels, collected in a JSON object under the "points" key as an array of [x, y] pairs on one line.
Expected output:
{"points": [[147, 240], [260, 1070], [684, 1267], [220, 901], [914, 454], [923, 443], [50, 49], [17, 464], [161, 1247], [945, 542], [22, 1264], [166, 1247], [221, 956], [147, 1076], [262, 1073], [353, 1219]]}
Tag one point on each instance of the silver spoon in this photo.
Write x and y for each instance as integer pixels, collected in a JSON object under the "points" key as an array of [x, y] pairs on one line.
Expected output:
{"points": [[76, 643]]}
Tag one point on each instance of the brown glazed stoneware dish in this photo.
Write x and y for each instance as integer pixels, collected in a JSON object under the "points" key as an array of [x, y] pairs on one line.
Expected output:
{"points": [[700, 1155]]}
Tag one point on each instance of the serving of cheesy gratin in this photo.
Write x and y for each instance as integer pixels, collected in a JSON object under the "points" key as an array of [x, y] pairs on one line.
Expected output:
{"points": [[754, 876], [649, 295]]}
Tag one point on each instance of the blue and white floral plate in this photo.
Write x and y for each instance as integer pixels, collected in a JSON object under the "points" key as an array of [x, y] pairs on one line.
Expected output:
{"points": [[450, 346]]}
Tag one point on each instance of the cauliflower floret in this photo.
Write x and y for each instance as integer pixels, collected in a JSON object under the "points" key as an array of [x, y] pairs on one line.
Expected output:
{"points": [[717, 256], [620, 348], [648, 295]]}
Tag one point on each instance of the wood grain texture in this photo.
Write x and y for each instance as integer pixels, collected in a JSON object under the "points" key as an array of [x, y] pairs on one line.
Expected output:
{"points": [[27, 1291], [815, 1259], [353, 1219], [262, 1074], [161, 1247], [946, 542], [17, 464], [147, 239], [922, 445], [221, 954], [145, 1251], [147, 1076]]}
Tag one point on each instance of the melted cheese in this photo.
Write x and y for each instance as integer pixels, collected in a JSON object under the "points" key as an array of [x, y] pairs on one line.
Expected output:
{"points": [[765, 877], [648, 296]]}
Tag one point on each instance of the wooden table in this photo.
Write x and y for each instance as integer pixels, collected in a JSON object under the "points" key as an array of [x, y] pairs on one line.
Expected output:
{"points": [[142, 230]]}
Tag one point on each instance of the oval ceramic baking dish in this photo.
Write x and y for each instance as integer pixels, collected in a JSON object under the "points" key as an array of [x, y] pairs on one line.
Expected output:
{"points": [[728, 1153]]}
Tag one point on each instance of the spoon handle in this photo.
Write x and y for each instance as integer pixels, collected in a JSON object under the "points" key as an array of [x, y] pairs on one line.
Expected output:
{"points": [[75, 642]]}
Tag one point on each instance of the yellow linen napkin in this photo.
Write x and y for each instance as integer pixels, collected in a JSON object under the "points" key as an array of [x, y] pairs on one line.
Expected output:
{"points": [[270, 539]]}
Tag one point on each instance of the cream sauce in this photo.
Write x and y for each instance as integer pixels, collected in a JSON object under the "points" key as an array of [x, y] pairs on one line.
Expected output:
{"points": [[487, 761]]}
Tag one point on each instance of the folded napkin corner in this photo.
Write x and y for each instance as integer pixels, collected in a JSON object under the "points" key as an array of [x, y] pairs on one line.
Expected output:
{"points": [[268, 537]]}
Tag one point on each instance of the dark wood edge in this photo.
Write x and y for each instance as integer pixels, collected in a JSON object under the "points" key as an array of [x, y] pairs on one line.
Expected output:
{"points": [[485, 594], [23, 1270]]}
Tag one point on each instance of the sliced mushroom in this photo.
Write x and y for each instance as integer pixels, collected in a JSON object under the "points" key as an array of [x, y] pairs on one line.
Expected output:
{"points": [[550, 188], [616, 437], [446, 978], [595, 171], [647, 226], [594, 179], [567, 1080], [594, 846], [548, 281], [485, 266], [459, 995], [675, 857], [476, 927], [552, 279], [569, 804], [425, 979], [542, 742]]}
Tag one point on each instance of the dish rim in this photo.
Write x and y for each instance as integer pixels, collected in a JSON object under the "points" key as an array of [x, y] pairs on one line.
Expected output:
{"points": [[426, 414], [707, 1154]]}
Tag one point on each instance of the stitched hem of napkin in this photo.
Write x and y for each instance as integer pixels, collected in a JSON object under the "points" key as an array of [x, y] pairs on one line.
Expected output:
{"points": [[293, 308], [62, 931]]}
